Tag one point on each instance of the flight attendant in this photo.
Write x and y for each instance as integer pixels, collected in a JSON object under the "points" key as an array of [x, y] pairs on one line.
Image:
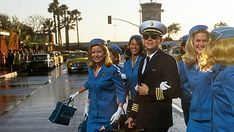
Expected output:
{"points": [[219, 54], [106, 92]]}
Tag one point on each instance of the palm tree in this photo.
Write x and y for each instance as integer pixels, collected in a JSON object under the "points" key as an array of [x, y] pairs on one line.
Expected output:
{"points": [[76, 15], [65, 23], [52, 9], [69, 19], [48, 26], [58, 13]]}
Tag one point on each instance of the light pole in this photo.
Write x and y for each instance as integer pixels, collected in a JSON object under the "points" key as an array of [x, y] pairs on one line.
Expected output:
{"points": [[109, 18]]}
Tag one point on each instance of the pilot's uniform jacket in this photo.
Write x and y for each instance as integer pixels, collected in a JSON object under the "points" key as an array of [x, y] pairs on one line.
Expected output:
{"points": [[155, 110], [105, 92]]}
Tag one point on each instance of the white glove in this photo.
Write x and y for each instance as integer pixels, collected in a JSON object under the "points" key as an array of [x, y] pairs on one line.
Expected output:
{"points": [[74, 95], [86, 110], [164, 85], [116, 115], [123, 76], [136, 87]]}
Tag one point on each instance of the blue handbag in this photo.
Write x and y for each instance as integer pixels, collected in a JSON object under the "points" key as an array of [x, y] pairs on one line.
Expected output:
{"points": [[63, 113]]}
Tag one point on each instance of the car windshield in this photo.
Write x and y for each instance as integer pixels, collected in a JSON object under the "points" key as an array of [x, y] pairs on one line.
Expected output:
{"points": [[40, 57], [77, 55]]}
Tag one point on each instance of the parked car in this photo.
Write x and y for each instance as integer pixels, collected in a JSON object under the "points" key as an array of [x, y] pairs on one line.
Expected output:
{"points": [[77, 61], [166, 45], [65, 54], [175, 51], [40, 62]]}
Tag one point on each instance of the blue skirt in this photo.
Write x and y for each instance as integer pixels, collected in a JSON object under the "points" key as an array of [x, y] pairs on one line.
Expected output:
{"points": [[199, 126], [94, 124]]}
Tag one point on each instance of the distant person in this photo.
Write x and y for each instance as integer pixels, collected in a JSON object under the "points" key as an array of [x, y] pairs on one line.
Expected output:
{"points": [[158, 83], [115, 54], [2, 59], [106, 92], [10, 59], [219, 53]]}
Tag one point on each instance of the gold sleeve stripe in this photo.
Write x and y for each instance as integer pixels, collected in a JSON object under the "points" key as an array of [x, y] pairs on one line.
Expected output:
{"points": [[135, 107], [159, 94]]}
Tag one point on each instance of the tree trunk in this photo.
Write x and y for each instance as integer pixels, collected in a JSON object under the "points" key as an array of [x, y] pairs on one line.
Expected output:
{"points": [[59, 32], [55, 29], [67, 36]]}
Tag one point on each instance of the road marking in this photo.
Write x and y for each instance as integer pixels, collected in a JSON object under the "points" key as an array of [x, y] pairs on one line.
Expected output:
{"points": [[177, 107]]}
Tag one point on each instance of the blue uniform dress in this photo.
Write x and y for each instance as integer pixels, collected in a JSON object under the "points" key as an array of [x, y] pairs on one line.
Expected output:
{"points": [[131, 72], [186, 91], [105, 92], [223, 101], [200, 108]]}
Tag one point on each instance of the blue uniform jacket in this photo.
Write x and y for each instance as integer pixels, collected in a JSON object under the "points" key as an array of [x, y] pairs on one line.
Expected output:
{"points": [[200, 84], [223, 101], [186, 89], [132, 75], [105, 92]]}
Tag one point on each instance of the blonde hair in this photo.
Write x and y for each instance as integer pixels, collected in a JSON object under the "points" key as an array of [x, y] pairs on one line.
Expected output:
{"points": [[217, 52], [190, 56], [108, 61]]}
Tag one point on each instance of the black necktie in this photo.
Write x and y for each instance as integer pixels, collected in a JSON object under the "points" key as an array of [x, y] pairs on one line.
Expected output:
{"points": [[147, 61]]}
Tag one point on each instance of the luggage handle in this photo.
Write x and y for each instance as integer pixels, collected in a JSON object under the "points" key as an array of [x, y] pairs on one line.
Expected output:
{"points": [[69, 100]]}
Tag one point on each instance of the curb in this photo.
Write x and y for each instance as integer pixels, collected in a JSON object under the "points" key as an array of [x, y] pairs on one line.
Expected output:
{"points": [[8, 75]]}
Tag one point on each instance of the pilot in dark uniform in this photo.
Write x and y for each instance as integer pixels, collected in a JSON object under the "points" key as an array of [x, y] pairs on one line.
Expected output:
{"points": [[158, 83]]}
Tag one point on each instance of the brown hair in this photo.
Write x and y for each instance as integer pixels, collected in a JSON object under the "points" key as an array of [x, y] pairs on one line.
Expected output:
{"points": [[116, 56]]}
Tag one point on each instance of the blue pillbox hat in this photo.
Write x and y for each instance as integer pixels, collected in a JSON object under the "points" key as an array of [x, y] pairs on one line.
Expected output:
{"points": [[198, 28], [222, 32], [97, 41], [116, 48]]}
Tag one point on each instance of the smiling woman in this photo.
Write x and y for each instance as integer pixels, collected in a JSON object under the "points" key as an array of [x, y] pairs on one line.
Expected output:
{"points": [[105, 88]]}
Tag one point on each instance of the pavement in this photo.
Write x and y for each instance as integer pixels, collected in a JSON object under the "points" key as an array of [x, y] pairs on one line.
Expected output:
{"points": [[6, 74], [178, 126]]}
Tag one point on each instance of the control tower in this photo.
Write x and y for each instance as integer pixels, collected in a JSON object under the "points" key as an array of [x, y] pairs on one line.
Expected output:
{"points": [[151, 11]]}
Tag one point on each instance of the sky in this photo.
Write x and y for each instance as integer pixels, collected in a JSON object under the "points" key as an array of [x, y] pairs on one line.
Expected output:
{"points": [[187, 13]]}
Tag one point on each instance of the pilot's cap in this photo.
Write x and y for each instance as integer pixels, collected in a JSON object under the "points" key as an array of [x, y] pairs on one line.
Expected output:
{"points": [[222, 33], [97, 41], [153, 26], [115, 48], [197, 28]]}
